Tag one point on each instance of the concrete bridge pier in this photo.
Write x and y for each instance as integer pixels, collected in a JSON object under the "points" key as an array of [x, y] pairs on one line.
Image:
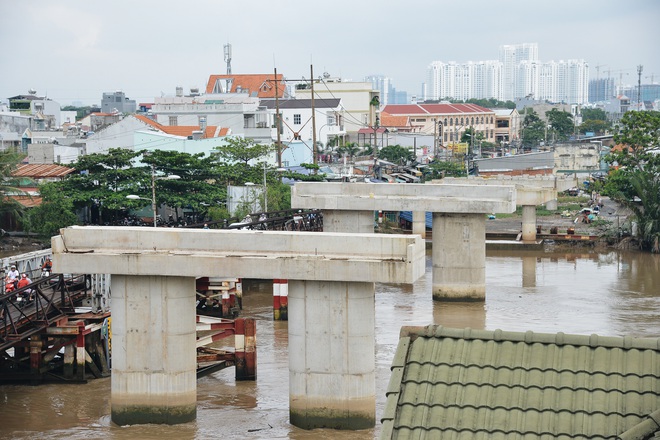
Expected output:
{"points": [[419, 223], [459, 257], [529, 223], [153, 366], [332, 354], [331, 278]]}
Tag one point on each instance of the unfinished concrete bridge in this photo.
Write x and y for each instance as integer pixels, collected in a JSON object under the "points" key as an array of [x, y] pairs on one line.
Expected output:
{"points": [[331, 292]]}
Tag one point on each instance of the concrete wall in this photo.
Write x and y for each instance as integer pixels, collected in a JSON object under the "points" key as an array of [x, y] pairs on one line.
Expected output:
{"points": [[531, 161]]}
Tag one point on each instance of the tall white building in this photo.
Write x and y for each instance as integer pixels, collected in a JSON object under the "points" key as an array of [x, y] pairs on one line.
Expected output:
{"points": [[517, 74], [511, 55]]}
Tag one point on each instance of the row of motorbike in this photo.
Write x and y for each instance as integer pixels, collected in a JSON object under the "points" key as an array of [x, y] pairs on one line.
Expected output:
{"points": [[25, 297]]}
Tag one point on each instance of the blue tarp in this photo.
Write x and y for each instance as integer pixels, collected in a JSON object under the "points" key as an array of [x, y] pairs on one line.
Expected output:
{"points": [[407, 215]]}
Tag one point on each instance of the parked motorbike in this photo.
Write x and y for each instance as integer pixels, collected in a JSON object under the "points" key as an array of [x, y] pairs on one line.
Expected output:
{"points": [[23, 299]]}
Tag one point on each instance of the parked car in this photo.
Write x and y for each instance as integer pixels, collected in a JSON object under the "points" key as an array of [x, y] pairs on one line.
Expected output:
{"points": [[72, 281]]}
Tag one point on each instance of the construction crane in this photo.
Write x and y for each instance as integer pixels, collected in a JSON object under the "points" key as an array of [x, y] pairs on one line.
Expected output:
{"points": [[597, 67], [621, 72]]}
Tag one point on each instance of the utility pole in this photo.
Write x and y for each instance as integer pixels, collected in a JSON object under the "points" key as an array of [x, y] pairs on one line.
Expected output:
{"points": [[639, 86], [314, 152], [435, 138]]}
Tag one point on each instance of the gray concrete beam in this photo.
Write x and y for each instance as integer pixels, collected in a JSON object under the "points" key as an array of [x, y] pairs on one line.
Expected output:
{"points": [[390, 258], [404, 197]]}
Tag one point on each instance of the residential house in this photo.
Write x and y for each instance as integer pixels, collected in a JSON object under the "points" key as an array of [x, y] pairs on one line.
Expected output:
{"points": [[241, 113], [117, 102], [445, 122], [45, 111], [296, 129], [95, 121], [137, 132], [360, 102], [257, 85], [508, 126]]}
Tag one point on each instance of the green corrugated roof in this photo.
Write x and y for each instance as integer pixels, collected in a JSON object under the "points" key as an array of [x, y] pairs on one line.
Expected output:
{"points": [[475, 384]]}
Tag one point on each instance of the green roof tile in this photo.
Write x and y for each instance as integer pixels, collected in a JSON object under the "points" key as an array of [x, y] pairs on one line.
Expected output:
{"points": [[476, 384]]}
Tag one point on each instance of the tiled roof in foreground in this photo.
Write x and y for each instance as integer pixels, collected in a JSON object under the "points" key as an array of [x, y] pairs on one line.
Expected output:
{"points": [[475, 384]]}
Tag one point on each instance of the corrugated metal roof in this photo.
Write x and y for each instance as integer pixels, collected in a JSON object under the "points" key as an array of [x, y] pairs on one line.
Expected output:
{"points": [[42, 171], [475, 384]]}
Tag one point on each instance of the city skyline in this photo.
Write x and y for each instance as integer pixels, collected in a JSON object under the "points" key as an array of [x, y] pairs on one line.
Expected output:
{"points": [[75, 51]]}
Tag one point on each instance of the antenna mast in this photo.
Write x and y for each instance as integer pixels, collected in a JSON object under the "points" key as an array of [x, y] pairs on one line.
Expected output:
{"points": [[639, 85], [227, 48]]}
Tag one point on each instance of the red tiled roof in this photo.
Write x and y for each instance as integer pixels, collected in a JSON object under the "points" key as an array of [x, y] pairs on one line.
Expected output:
{"points": [[388, 120], [434, 109], [41, 171], [263, 85], [184, 130]]}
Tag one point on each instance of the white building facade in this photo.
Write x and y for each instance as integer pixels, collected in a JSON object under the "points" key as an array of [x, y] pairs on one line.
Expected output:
{"points": [[517, 74]]}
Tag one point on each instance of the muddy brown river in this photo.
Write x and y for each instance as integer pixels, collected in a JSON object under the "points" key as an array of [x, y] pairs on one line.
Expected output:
{"points": [[576, 291]]}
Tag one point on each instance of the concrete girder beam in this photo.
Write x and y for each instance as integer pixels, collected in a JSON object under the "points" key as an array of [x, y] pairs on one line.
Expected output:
{"points": [[404, 197], [245, 254]]}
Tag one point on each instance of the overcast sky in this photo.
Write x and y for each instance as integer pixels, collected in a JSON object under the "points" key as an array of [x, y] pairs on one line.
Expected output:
{"points": [[75, 50]]}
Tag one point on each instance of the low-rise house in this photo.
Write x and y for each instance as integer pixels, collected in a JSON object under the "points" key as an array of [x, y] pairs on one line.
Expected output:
{"points": [[136, 132]]}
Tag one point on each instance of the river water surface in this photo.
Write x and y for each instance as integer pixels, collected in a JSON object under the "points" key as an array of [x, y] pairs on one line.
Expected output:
{"points": [[611, 293]]}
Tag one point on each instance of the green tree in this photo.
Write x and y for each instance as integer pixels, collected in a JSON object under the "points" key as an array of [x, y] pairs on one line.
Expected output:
{"points": [[242, 150], [104, 181], [595, 126], [561, 123], [10, 186], [594, 114], [438, 169], [397, 154], [533, 129], [55, 212], [350, 150], [636, 182]]}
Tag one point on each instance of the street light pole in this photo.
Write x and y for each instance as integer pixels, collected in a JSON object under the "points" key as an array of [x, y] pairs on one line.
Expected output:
{"points": [[265, 191], [153, 192]]}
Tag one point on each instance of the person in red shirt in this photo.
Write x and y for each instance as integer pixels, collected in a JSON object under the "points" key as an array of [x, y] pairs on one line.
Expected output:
{"points": [[24, 281]]}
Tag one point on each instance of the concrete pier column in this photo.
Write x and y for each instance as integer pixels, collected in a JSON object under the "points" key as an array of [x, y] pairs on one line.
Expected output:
{"points": [[332, 354], [154, 368], [551, 205], [459, 257], [335, 220], [419, 223], [529, 222]]}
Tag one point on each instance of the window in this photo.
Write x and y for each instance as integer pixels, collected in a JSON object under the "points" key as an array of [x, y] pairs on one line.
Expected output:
{"points": [[461, 121], [173, 121], [296, 119], [482, 119], [451, 121], [472, 121], [445, 121], [331, 120]]}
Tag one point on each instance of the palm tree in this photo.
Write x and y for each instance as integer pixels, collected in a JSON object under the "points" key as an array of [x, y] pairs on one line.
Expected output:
{"points": [[350, 150]]}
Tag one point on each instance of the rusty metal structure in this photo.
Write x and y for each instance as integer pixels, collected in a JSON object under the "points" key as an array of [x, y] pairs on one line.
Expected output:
{"points": [[63, 335], [49, 338]]}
